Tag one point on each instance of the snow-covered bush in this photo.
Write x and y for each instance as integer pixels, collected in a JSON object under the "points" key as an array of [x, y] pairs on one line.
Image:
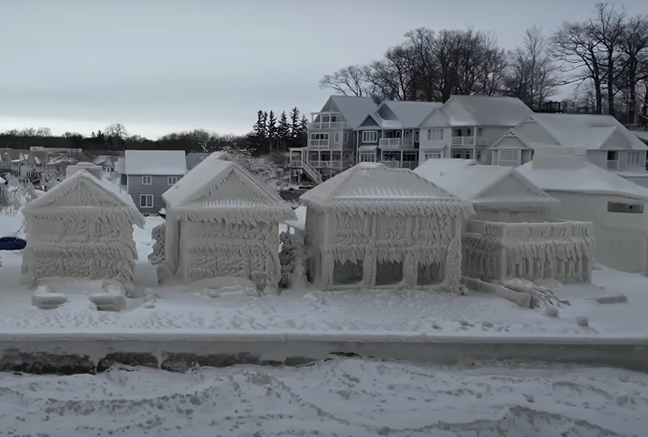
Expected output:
{"points": [[158, 234], [291, 259]]}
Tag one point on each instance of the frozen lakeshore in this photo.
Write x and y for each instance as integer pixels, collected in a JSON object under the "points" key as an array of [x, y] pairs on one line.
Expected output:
{"points": [[343, 397]]}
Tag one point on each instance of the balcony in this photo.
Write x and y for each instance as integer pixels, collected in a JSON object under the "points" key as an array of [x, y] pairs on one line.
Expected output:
{"points": [[320, 125], [394, 142], [463, 141], [318, 144]]}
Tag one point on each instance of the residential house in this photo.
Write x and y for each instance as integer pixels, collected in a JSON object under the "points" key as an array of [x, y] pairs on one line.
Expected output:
{"points": [[333, 138], [589, 192], [466, 126], [107, 163], [374, 226], [390, 135], [513, 234], [147, 174], [606, 142]]}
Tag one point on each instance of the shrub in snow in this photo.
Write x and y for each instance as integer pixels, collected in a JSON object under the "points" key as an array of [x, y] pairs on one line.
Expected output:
{"points": [[113, 298], [291, 258], [44, 299], [583, 322], [156, 257], [551, 312]]}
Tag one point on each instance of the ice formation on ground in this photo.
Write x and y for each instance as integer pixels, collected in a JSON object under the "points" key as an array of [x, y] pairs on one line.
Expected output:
{"points": [[344, 397], [374, 226], [221, 222], [82, 228]]}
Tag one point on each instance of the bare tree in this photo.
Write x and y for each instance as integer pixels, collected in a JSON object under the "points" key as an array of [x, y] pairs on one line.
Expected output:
{"points": [[116, 130], [43, 132], [349, 81], [633, 47]]}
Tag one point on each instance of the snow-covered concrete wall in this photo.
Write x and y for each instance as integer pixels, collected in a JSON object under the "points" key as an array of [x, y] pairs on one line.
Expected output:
{"points": [[561, 250]]}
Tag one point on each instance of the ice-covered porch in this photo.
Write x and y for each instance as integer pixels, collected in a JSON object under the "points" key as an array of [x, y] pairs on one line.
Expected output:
{"points": [[557, 250]]}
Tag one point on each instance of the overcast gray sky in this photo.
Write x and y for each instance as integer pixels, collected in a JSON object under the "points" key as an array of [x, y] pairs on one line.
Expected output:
{"points": [[159, 66]]}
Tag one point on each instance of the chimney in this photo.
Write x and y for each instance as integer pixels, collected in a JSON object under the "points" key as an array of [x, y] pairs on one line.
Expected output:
{"points": [[91, 168], [559, 157]]}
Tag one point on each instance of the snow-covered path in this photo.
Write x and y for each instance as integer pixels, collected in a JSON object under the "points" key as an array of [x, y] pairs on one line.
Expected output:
{"points": [[347, 397]]}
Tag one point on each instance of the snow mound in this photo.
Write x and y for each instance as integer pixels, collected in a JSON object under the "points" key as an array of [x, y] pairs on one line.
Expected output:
{"points": [[338, 397]]}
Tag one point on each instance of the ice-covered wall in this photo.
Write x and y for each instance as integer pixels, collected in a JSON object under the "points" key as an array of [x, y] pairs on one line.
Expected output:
{"points": [[210, 249], [372, 250], [561, 250]]}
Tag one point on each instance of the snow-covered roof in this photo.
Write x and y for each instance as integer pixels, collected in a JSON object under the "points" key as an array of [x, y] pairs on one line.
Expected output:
{"points": [[576, 174], [472, 182], [300, 221], [218, 188], [354, 109], [484, 111], [375, 188], [97, 191], [392, 114], [587, 131], [101, 159], [641, 134], [155, 162]]}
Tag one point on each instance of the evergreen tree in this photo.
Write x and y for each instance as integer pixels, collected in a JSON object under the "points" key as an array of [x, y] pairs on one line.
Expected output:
{"points": [[303, 127], [294, 122], [260, 131], [271, 126], [283, 130]]}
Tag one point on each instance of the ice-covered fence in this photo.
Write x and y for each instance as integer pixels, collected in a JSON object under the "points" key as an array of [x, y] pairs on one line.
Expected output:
{"points": [[561, 250]]}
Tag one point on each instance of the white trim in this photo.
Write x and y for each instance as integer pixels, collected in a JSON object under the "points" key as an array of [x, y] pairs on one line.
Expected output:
{"points": [[171, 180], [147, 180], [336, 138], [144, 201], [370, 136]]}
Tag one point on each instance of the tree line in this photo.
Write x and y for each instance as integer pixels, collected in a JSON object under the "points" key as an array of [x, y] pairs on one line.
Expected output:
{"points": [[604, 58], [269, 134]]}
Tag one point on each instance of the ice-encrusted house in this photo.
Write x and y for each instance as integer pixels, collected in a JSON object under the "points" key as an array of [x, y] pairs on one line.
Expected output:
{"points": [[588, 192], [375, 226], [222, 222], [513, 234], [81, 228]]}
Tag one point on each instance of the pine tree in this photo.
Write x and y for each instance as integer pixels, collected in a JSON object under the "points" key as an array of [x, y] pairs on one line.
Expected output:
{"points": [[303, 127], [259, 127], [283, 130], [294, 122], [271, 126]]}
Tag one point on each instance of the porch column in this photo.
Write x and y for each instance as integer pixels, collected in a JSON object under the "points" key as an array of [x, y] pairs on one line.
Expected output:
{"points": [[400, 164], [474, 142]]}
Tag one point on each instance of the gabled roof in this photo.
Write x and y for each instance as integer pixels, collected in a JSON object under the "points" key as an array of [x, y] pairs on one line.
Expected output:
{"points": [[641, 134], [354, 109], [472, 182], [484, 111], [375, 188], [98, 190], [103, 158], [155, 162], [588, 131], [220, 189], [581, 176], [396, 114]]}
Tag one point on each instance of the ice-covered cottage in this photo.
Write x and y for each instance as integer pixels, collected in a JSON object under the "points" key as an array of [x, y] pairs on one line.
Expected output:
{"points": [[616, 206], [221, 222], [81, 228], [374, 226], [513, 234]]}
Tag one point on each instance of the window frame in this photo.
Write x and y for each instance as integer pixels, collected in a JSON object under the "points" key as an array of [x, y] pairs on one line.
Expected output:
{"points": [[370, 136], [145, 204], [147, 178], [172, 180]]}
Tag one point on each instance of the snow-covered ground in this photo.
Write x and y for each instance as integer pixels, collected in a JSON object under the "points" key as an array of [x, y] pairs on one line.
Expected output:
{"points": [[346, 397], [181, 310]]}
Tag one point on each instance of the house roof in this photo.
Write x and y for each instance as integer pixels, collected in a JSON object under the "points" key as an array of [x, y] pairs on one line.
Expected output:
{"points": [[354, 109], [155, 162], [469, 181], [375, 188], [641, 134], [587, 131], [406, 115], [484, 111], [218, 188], [581, 176], [83, 177]]}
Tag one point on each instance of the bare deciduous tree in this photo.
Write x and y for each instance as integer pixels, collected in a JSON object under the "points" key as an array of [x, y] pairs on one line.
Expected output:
{"points": [[349, 81], [116, 130]]}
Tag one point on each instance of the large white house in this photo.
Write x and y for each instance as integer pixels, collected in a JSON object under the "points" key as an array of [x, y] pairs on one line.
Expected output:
{"points": [[466, 126], [606, 142], [587, 192]]}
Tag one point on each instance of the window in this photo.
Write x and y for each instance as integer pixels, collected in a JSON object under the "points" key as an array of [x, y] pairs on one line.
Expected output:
{"points": [[367, 156], [319, 137], [509, 157], [172, 180], [346, 137], [147, 180], [435, 154], [612, 155], [633, 158], [480, 132], [417, 136], [625, 208], [435, 134], [461, 154], [146, 200], [336, 137], [370, 136]]}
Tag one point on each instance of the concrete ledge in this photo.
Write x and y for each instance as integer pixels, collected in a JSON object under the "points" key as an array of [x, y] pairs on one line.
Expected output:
{"points": [[95, 355]]}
